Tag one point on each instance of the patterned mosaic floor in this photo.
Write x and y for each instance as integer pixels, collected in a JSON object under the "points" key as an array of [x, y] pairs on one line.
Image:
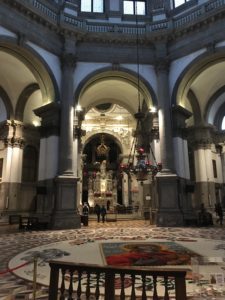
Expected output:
{"points": [[13, 243]]}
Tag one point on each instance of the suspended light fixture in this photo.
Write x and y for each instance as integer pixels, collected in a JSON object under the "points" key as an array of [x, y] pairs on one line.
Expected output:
{"points": [[102, 149], [139, 163]]}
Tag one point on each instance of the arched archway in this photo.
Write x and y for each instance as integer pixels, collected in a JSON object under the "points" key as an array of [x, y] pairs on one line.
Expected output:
{"points": [[203, 81], [122, 86], [100, 177]]}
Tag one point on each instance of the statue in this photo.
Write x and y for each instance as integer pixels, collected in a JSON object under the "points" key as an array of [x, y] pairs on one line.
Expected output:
{"points": [[103, 169]]}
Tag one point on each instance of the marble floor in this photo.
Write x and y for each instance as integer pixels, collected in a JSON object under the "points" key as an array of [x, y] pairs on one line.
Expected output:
{"points": [[15, 244]]}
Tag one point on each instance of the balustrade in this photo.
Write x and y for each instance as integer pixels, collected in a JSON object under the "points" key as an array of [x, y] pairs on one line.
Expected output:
{"points": [[185, 17], [82, 281]]}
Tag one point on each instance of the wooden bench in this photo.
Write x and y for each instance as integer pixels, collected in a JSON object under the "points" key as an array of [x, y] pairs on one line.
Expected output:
{"points": [[32, 223]]}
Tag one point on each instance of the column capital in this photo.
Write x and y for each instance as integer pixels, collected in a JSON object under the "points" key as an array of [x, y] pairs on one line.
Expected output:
{"points": [[201, 137], [11, 133], [14, 142], [180, 115], [50, 115]]}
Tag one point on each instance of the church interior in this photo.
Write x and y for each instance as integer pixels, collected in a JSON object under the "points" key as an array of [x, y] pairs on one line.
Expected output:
{"points": [[118, 104]]}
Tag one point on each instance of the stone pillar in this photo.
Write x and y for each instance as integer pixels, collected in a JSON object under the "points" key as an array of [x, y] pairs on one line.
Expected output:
{"points": [[201, 139], [67, 114], [11, 135], [78, 160], [164, 117], [48, 156], [180, 115], [65, 213], [168, 213]]}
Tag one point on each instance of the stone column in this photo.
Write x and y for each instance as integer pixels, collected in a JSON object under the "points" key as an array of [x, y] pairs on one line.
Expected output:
{"points": [[67, 114], [12, 142], [164, 117], [201, 139], [180, 115], [168, 213], [78, 168], [65, 213], [48, 156]]}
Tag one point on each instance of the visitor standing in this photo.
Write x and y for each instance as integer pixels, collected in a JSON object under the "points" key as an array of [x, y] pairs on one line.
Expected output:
{"points": [[85, 213], [103, 213], [98, 211]]}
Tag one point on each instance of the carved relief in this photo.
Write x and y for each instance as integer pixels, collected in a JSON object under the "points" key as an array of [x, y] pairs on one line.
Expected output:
{"points": [[11, 133]]}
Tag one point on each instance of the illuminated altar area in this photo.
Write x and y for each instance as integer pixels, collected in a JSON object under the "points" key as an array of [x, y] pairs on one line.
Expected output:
{"points": [[102, 187]]}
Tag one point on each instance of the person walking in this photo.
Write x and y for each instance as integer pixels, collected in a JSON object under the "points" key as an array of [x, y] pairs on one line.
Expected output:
{"points": [[98, 211], [103, 213]]}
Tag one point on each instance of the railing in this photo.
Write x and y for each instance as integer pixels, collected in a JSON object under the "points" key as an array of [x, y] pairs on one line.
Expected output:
{"points": [[81, 281], [194, 14]]}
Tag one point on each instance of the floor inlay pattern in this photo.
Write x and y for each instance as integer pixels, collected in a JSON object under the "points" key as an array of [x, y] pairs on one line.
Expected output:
{"points": [[14, 243]]}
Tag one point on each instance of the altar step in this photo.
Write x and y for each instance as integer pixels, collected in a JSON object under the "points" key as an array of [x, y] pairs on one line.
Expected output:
{"points": [[119, 217]]}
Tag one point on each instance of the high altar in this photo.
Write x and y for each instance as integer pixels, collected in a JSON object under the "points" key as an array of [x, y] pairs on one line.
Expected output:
{"points": [[102, 187]]}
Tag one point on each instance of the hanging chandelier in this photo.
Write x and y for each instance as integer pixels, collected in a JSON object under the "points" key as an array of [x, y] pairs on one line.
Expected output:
{"points": [[139, 163]]}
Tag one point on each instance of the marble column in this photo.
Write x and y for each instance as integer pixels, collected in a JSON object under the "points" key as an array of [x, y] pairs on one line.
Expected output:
{"points": [[48, 156], [168, 212], [12, 171], [67, 114], [65, 213], [180, 115], [164, 117], [201, 138]]}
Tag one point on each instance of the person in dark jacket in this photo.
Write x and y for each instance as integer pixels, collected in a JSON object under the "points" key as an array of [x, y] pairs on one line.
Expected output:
{"points": [[85, 212], [103, 213], [98, 211]]}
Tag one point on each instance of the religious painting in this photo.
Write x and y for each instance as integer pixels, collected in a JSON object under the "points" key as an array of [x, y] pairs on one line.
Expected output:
{"points": [[147, 254]]}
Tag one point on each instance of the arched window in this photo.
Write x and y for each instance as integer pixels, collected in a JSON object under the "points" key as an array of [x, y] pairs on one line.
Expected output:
{"points": [[131, 7], [179, 2], [95, 6], [30, 162]]}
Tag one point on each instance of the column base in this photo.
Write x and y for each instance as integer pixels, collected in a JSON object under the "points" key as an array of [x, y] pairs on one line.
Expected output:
{"points": [[64, 215], [65, 220], [169, 218], [168, 212]]}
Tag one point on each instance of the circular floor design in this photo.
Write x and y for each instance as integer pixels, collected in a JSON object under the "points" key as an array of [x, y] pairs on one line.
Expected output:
{"points": [[85, 248]]}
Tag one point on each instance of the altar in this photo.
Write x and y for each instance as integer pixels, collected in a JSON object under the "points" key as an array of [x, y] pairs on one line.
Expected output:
{"points": [[102, 188]]}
